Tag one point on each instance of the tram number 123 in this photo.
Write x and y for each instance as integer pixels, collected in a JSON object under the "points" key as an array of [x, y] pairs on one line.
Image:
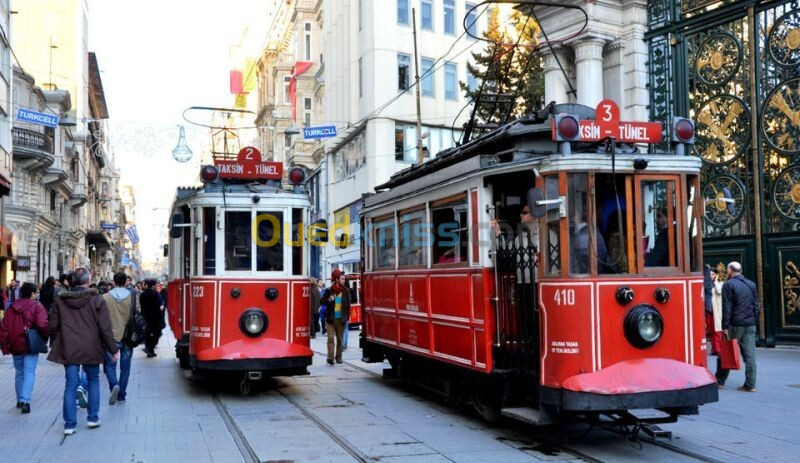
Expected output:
{"points": [[564, 297]]}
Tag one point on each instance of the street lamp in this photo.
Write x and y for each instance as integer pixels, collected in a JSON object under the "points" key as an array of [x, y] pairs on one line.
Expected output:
{"points": [[182, 152]]}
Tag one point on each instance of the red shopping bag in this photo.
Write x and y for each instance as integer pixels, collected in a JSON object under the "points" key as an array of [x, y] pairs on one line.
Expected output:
{"points": [[729, 356]]}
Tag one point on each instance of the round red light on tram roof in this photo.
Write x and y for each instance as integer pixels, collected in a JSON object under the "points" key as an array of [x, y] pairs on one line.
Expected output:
{"points": [[568, 127], [208, 174], [297, 175], [684, 130]]}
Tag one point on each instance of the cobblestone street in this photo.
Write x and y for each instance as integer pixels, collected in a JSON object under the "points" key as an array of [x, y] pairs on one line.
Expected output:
{"points": [[349, 413]]}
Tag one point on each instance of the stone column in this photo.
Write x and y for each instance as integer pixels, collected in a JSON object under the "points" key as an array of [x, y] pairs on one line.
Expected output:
{"points": [[555, 85], [589, 70]]}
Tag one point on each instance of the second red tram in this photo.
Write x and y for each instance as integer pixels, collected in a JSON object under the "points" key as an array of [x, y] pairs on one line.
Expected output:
{"points": [[546, 272], [238, 266]]}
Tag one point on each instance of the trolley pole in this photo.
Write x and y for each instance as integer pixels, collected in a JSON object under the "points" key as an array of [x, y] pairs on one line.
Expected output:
{"points": [[416, 79]]}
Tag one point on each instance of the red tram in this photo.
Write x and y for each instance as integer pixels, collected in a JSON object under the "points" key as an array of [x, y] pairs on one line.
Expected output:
{"points": [[544, 271], [238, 269]]}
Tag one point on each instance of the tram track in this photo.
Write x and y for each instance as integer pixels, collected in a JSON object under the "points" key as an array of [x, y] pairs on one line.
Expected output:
{"points": [[577, 453], [248, 454]]}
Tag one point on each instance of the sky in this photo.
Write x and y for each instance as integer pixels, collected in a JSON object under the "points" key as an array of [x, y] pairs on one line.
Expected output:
{"points": [[156, 59]]}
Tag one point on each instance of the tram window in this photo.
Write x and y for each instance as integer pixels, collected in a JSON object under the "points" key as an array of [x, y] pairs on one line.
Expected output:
{"points": [[658, 208], [238, 244], [611, 206], [269, 249], [693, 210], [413, 240], [553, 235], [450, 232], [297, 242], [209, 240], [383, 243], [579, 229]]}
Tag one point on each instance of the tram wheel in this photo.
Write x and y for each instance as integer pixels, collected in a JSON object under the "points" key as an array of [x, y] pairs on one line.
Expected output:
{"points": [[484, 408], [244, 386]]}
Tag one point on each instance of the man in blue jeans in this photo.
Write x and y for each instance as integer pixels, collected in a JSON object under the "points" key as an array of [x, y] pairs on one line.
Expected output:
{"points": [[121, 303], [80, 329]]}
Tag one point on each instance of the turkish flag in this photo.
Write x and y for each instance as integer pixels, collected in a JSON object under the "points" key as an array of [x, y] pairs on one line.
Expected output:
{"points": [[299, 68]]}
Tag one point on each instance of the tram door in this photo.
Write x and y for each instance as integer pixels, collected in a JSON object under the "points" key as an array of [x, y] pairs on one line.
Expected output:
{"points": [[516, 241]]}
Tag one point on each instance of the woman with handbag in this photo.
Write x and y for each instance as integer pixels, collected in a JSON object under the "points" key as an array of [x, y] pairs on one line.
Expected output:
{"points": [[23, 333]]}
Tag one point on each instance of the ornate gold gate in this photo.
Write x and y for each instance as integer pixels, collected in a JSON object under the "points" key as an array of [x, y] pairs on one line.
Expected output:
{"points": [[734, 67]]}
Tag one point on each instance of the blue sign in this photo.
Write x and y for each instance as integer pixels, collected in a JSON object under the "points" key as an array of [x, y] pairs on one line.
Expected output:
{"points": [[108, 226], [325, 131], [47, 120]]}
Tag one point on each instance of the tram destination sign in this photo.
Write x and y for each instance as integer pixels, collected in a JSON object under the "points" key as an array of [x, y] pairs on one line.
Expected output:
{"points": [[249, 166], [626, 132]]}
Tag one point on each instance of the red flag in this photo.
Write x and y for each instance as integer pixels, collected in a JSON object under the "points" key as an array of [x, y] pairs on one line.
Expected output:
{"points": [[299, 68], [236, 81]]}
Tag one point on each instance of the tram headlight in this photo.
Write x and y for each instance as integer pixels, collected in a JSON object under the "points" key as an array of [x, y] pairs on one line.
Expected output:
{"points": [[643, 325], [253, 322]]}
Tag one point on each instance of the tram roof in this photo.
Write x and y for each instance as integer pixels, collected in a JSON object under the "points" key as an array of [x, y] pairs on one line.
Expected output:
{"points": [[523, 143], [237, 189]]}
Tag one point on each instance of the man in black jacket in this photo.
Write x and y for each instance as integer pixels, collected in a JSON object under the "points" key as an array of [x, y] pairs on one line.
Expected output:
{"points": [[740, 312], [150, 302]]}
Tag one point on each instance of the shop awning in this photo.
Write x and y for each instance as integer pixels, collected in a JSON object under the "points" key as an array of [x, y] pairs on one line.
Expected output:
{"points": [[5, 185]]}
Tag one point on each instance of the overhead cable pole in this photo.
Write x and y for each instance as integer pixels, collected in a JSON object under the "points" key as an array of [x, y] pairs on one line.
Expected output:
{"points": [[416, 79]]}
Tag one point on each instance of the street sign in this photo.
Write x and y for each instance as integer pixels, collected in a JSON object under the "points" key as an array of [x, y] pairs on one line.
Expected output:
{"points": [[108, 226], [325, 131], [607, 117], [248, 166], [47, 120]]}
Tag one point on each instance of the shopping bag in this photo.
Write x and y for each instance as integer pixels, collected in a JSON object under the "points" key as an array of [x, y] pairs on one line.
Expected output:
{"points": [[716, 339], [729, 356]]}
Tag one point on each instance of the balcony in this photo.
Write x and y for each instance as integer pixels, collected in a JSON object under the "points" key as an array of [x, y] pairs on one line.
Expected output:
{"points": [[31, 148], [78, 197], [56, 174]]}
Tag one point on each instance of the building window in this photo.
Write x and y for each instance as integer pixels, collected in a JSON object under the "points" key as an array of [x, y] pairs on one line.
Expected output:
{"points": [[307, 104], [399, 142], [472, 19], [307, 119], [472, 82], [449, 17], [403, 71], [52, 200], [402, 12], [450, 81], [286, 97], [427, 77], [308, 42], [360, 14], [360, 78], [287, 145], [350, 157], [426, 21]]}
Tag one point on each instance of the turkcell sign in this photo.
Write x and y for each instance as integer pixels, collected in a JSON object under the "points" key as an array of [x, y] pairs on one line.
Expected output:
{"points": [[108, 226], [47, 120], [325, 131]]}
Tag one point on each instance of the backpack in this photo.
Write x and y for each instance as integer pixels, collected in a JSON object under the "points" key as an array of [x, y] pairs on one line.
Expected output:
{"points": [[136, 329]]}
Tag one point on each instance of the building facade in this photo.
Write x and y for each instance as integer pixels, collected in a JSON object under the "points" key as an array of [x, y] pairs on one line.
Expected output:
{"points": [[7, 239], [369, 64]]}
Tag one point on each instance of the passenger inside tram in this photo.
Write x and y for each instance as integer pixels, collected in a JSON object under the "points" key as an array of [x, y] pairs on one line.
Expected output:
{"points": [[610, 206], [515, 228]]}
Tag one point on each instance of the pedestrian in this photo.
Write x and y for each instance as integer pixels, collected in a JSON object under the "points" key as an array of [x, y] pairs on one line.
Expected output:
{"points": [[81, 336], [65, 281], [121, 304], [337, 312], [24, 314], [715, 318], [162, 292], [47, 293], [11, 293], [740, 312], [321, 311], [150, 302], [313, 305]]}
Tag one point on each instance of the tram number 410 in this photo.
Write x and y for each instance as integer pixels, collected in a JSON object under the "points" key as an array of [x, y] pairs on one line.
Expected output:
{"points": [[564, 297]]}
